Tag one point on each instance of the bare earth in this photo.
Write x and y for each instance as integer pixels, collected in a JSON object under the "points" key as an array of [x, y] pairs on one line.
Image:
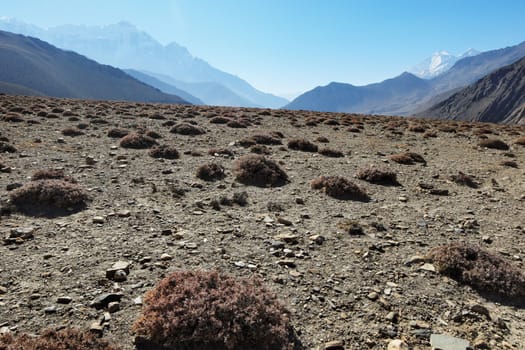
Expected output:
{"points": [[157, 215]]}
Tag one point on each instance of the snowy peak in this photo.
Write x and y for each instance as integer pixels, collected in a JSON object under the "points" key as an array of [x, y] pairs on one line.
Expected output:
{"points": [[439, 63]]}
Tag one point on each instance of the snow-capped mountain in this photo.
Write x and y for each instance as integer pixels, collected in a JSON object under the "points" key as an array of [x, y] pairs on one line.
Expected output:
{"points": [[439, 63]]}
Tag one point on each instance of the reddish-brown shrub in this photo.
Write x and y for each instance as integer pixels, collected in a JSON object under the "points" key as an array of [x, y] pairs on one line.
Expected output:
{"points": [[137, 141], [64, 339], [153, 134], [257, 170], [220, 120], [323, 139], [263, 139], [464, 179], [50, 174], [378, 176], [12, 118], [7, 148], [340, 188], [494, 144], [164, 151], [520, 141], [237, 124], [208, 310], [71, 131], [117, 133], [481, 269], [330, 152], [260, 149], [417, 128], [220, 151], [408, 158], [187, 129], [210, 172], [509, 163], [302, 145]]}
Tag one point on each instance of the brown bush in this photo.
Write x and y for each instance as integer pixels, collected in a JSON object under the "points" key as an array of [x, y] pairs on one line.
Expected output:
{"points": [[220, 151], [481, 269], [417, 128], [117, 133], [520, 141], [46, 197], [239, 198], [509, 163], [164, 151], [153, 134], [12, 118], [236, 124], [257, 170], [323, 139], [494, 144], [260, 149], [340, 188], [212, 311], [187, 129], [72, 132], [220, 120], [302, 145], [64, 339], [464, 179], [51, 174], [378, 176], [210, 172], [262, 139], [330, 152], [408, 158], [137, 141], [7, 148]]}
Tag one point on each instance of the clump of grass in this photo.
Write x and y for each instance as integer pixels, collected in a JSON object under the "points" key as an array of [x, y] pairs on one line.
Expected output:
{"points": [[237, 124], [408, 158], [137, 141], [220, 152], [509, 163], [72, 131], [187, 129], [209, 310], [464, 180], [484, 271], [220, 120], [330, 152], [165, 152], [7, 148], [51, 174], [64, 339], [378, 176], [210, 172], [302, 145], [239, 198], [351, 227], [257, 170], [494, 144], [117, 133], [260, 149], [340, 188]]}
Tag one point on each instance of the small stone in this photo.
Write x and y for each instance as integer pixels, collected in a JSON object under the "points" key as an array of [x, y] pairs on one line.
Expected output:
{"points": [[64, 300], [416, 259], [123, 213], [114, 306], [165, 257], [286, 262], [428, 267], [333, 345], [446, 342], [137, 300], [96, 328], [118, 266], [98, 219], [487, 239], [289, 238], [3, 290], [284, 221], [403, 199], [240, 264], [50, 309], [120, 276], [318, 239], [299, 201], [103, 300], [397, 344], [392, 316], [373, 296], [480, 309]]}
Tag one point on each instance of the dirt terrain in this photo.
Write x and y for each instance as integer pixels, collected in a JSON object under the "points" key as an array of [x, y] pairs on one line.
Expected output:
{"points": [[362, 286]]}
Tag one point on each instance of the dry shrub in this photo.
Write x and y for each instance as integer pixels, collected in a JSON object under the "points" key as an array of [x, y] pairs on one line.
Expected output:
{"points": [[340, 188], [12, 118], [117, 133], [323, 139], [220, 120], [239, 198], [302, 145], [482, 270], [464, 180], [153, 134], [212, 311], [378, 176], [417, 128], [408, 158], [7, 148], [137, 141], [262, 139], [44, 197], [257, 170], [260, 149], [429, 134], [330, 152], [64, 339], [210, 172], [220, 151], [71, 131], [236, 124], [509, 163], [520, 141], [494, 144], [164, 151], [51, 174], [187, 129]]}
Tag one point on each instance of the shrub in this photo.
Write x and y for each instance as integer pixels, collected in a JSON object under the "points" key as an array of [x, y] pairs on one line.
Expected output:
{"points": [[509, 163], [220, 151], [408, 158], [351, 227], [219, 120], [164, 151], [520, 141], [187, 129], [481, 269], [12, 118], [262, 139], [329, 152], [239, 198], [210, 172], [339, 187], [236, 124], [494, 144], [153, 134], [208, 310], [417, 128], [117, 133], [72, 132], [323, 139], [137, 141], [51, 174], [257, 170], [378, 176], [64, 339], [260, 149], [7, 148], [302, 145], [464, 179], [42, 197]]}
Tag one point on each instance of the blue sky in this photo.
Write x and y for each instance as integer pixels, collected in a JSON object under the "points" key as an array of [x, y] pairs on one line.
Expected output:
{"points": [[289, 46]]}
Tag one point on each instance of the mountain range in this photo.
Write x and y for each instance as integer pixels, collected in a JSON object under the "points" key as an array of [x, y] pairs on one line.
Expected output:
{"points": [[123, 45], [438, 63], [30, 66]]}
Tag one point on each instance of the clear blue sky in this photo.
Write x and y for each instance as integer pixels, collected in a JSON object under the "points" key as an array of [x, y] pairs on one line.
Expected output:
{"points": [[287, 46]]}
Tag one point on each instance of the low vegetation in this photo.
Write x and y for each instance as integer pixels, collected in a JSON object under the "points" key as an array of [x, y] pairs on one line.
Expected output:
{"points": [[339, 187], [378, 176], [257, 170]]}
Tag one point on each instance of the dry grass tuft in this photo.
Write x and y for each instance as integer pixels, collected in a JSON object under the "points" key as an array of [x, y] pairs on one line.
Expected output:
{"points": [[210, 172], [408, 158], [340, 188], [257, 170], [187, 129], [330, 152], [165, 152], [378, 176], [117, 133], [209, 310], [137, 141], [482, 270], [51, 174], [7, 148], [464, 180], [71, 131], [302, 145], [494, 144]]}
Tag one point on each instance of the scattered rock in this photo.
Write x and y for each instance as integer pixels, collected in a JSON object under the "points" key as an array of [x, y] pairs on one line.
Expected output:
{"points": [[447, 342], [114, 274], [333, 345], [103, 300], [397, 344]]}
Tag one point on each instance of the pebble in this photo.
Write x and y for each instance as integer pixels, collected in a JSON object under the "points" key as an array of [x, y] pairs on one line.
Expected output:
{"points": [[318, 239], [113, 306], [137, 300], [104, 299], [397, 344], [64, 300], [333, 345], [3, 290], [286, 262], [428, 267], [123, 213], [289, 238], [447, 342], [373, 296], [98, 220], [123, 266], [96, 328], [416, 259], [165, 257], [50, 310], [120, 276], [403, 199]]}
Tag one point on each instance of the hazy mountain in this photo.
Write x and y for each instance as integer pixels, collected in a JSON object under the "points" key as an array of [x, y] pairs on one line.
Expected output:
{"points": [[498, 97], [31, 66], [438, 63], [162, 86], [123, 45]]}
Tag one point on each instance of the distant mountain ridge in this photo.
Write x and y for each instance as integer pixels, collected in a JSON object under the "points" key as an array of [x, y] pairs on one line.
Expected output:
{"points": [[438, 63], [498, 98], [33, 67], [123, 45]]}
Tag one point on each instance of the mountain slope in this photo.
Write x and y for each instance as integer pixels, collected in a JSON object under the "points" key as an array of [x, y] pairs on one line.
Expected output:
{"points": [[34, 65], [498, 97], [123, 45], [438, 63]]}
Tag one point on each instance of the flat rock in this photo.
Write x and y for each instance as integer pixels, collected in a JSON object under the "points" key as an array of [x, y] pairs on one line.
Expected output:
{"points": [[119, 265], [397, 344], [447, 342], [103, 300]]}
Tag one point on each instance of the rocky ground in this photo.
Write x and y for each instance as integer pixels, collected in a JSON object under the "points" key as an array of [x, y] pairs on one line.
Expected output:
{"points": [[362, 289]]}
